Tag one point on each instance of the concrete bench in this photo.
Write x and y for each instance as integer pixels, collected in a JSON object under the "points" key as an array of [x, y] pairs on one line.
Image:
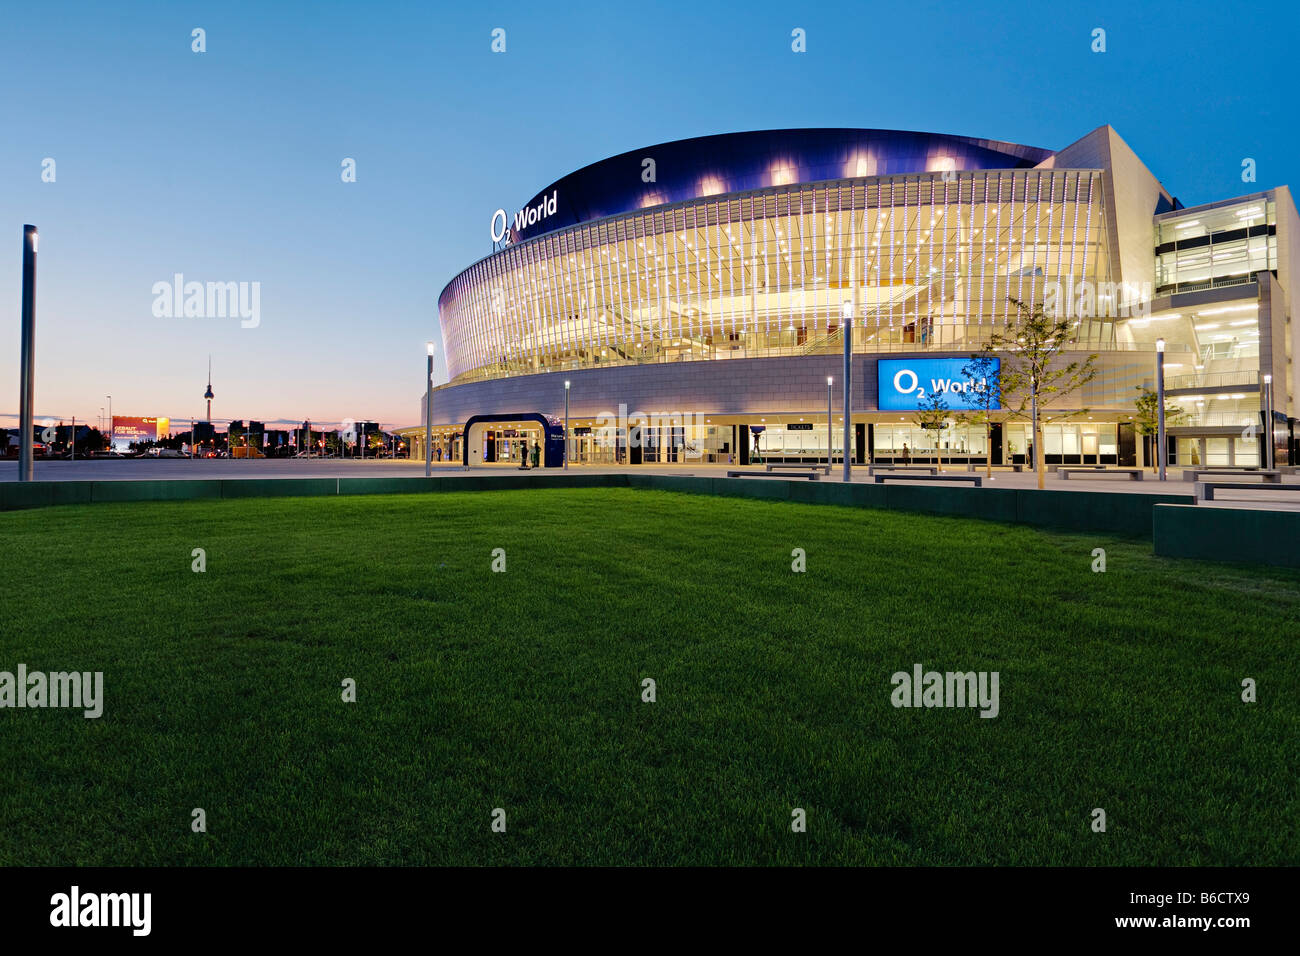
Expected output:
{"points": [[824, 469], [1204, 490], [1270, 476], [812, 475], [904, 476], [889, 469], [1136, 474], [1053, 469]]}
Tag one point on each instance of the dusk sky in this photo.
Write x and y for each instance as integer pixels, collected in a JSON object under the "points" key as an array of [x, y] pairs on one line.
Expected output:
{"points": [[225, 165]]}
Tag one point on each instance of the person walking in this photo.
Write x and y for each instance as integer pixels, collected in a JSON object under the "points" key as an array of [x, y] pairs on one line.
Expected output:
{"points": [[523, 455], [907, 454], [537, 453]]}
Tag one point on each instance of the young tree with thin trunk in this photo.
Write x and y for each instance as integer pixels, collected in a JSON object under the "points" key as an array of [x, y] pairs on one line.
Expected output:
{"points": [[932, 413], [1035, 371], [1147, 419], [985, 370]]}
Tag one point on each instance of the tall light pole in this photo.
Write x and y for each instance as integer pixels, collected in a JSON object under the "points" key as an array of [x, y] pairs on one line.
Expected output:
{"points": [[846, 314], [111, 446], [428, 412], [1268, 421], [830, 429], [1160, 406], [27, 359], [566, 424]]}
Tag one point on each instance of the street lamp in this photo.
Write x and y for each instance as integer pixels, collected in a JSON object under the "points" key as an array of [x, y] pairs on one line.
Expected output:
{"points": [[846, 313], [1160, 406], [830, 433], [111, 446], [1268, 421], [428, 412], [27, 361], [566, 424]]}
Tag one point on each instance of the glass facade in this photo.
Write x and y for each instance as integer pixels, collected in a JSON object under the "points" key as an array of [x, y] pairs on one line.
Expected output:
{"points": [[1214, 248], [924, 262]]}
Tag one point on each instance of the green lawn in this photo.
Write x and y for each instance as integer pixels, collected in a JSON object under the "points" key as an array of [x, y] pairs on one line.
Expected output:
{"points": [[522, 690]]}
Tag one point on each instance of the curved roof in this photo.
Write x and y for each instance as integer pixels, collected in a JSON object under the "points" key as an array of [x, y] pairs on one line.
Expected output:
{"points": [[735, 162]]}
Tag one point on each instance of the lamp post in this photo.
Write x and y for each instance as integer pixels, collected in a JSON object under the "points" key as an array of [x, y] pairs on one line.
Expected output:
{"points": [[1268, 421], [428, 412], [111, 446], [566, 424], [1160, 406], [846, 313], [830, 429], [27, 359]]}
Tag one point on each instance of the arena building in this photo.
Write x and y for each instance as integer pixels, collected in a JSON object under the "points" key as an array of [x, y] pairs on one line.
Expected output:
{"points": [[688, 301]]}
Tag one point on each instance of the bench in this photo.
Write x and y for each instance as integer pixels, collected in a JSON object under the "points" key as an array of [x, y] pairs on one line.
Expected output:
{"points": [[824, 469], [906, 477], [889, 469], [1136, 474], [1204, 490], [1053, 469], [812, 475], [1270, 477]]}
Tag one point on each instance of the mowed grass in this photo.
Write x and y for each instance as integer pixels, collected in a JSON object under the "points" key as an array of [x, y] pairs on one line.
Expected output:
{"points": [[522, 690]]}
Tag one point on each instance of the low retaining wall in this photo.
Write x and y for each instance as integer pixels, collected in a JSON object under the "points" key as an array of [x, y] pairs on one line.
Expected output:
{"points": [[1114, 512], [1243, 535]]}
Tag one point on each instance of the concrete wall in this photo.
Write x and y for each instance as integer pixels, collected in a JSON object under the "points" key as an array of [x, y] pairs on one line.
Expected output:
{"points": [[1288, 278], [1133, 195]]}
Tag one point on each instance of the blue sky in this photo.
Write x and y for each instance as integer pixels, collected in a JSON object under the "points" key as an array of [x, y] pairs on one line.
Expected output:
{"points": [[225, 165]]}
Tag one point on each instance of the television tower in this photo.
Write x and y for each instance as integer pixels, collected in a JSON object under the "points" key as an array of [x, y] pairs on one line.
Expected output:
{"points": [[208, 394]]}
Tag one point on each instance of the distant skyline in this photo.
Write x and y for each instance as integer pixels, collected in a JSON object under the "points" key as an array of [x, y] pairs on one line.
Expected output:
{"points": [[225, 166]]}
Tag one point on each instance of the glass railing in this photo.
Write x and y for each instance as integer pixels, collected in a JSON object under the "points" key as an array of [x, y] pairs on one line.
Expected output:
{"points": [[1243, 378]]}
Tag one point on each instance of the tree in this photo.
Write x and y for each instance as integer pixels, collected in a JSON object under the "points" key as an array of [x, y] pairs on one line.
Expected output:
{"points": [[985, 370], [932, 414], [1034, 371], [1147, 419]]}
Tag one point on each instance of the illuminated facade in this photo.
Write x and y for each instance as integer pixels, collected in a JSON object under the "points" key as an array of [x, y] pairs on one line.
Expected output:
{"points": [[711, 279]]}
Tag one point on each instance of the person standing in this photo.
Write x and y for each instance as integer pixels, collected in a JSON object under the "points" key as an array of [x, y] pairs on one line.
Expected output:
{"points": [[537, 453], [907, 454]]}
